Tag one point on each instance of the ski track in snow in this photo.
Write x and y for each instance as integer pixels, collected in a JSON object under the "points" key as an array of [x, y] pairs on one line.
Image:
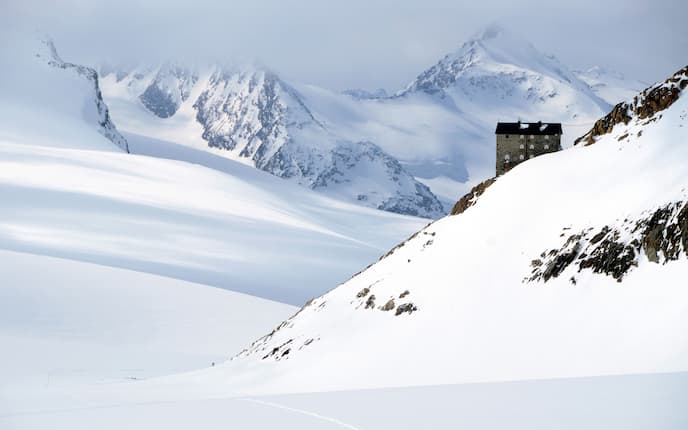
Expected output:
{"points": [[300, 411], [166, 402]]}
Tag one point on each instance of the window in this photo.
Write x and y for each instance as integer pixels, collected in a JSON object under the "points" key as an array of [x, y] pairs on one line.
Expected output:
{"points": [[546, 137], [546, 146], [532, 137], [522, 146], [531, 156], [507, 157], [521, 136], [532, 146], [521, 157]]}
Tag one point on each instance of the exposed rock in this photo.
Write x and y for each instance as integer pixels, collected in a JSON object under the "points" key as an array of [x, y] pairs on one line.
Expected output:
{"points": [[645, 105], [611, 258], [406, 308], [565, 256], [404, 294], [472, 197], [364, 292], [661, 236], [388, 306], [370, 303]]}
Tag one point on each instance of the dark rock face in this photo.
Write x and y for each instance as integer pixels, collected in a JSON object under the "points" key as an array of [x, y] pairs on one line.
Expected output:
{"points": [[158, 102], [262, 119], [170, 87], [388, 306], [643, 106], [107, 127], [408, 308], [472, 197], [662, 236]]}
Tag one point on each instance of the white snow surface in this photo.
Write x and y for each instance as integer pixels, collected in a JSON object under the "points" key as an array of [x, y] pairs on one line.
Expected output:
{"points": [[71, 323]]}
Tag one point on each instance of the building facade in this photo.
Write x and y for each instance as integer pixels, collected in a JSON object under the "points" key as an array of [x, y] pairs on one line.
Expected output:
{"points": [[520, 141]]}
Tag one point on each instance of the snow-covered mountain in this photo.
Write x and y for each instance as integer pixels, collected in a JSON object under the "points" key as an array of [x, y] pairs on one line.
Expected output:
{"points": [[612, 86], [441, 125], [250, 115], [572, 264]]}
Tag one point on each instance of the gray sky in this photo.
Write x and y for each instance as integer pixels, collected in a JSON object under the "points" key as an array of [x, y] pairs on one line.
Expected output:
{"points": [[357, 43]]}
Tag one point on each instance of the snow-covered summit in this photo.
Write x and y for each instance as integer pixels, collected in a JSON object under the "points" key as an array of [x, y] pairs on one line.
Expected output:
{"points": [[501, 65]]}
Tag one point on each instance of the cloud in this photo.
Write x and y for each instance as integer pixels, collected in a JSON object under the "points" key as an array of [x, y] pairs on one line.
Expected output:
{"points": [[357, 43]]}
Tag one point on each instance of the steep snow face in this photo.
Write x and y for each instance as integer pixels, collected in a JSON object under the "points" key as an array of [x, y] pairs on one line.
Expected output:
{"points": [[610, 85], [572, 264], [46, 96], [170, 87], [253, 117]]}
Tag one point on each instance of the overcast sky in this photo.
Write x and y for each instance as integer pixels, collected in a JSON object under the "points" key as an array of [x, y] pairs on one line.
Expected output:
{"points": [[357, 43]]}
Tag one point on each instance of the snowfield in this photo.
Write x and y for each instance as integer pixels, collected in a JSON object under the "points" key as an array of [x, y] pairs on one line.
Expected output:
{"points": [[70, 323]]}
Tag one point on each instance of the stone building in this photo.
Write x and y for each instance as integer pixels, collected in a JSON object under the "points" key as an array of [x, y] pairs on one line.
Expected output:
{"points": [[520, 141]]}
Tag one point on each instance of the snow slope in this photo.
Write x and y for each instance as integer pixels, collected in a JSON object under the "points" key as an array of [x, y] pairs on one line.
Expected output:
{"points": [[573, 264], [71, 323]]}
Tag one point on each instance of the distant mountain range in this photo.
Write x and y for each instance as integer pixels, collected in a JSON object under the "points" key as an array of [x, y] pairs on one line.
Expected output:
{"points": [[414, 152]]}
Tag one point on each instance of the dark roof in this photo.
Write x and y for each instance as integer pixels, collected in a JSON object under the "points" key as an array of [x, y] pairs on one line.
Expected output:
{"points": [[538, 128]]}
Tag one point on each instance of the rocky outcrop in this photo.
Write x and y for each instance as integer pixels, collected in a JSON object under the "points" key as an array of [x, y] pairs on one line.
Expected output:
{"points": [[644, 106], [106, 126], [472, 197], [662, 236]]}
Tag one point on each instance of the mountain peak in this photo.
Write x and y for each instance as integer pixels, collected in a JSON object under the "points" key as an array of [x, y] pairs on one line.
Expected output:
{"points": [[492, 31]]}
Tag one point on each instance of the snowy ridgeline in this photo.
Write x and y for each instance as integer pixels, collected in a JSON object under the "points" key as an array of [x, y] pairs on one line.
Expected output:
{"points": [[412, 152]]}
